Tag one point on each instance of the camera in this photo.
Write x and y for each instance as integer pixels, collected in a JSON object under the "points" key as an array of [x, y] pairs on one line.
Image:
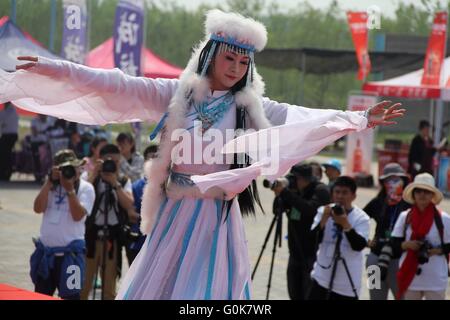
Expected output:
{"points": [[290, 181], [384, 259], [68, 172], [109, 166], [338, 210], [422, 254]]}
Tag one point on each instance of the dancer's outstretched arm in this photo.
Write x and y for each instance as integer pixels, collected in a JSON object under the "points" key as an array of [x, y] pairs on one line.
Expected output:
{"points": [[82, 94]]}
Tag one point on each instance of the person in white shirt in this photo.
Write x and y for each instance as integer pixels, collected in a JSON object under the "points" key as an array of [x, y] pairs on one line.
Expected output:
{"points": [[9, 125], [65, 201], [343, 231], [422, 237]]}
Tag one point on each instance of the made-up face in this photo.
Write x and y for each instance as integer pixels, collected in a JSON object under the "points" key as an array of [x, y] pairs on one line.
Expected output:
{"points": [[227, 69], [394, 189]]}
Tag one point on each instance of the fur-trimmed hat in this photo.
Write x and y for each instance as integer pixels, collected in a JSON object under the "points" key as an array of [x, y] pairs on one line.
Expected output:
{"points": [[235, 29]]}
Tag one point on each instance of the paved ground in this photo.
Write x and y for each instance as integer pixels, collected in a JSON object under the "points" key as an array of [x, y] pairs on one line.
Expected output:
{"points": [[18, 224]]}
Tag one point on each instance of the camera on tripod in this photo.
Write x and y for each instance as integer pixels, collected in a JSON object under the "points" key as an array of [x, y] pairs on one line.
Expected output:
{"points": [[422, 255], [109, 166], [289, 181]]}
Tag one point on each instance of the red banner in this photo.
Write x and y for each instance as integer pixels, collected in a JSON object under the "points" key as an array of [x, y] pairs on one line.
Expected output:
{"points": [[435, 51], [358, 27]]}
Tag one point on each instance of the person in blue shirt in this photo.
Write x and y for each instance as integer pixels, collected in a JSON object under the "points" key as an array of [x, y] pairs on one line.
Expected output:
{"points": [[138, 189]]}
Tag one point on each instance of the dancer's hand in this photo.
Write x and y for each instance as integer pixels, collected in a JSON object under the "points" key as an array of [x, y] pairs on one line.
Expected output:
{"points": [[382, 114], [25, 66]]}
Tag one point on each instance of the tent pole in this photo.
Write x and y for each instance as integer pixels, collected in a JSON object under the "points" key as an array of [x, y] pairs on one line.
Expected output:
{"points": [[438, 116]]}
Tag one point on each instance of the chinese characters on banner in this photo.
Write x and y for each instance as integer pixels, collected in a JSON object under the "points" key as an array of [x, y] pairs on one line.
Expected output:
{"points": [[358, 27], [435, 51], [128, 37], [74, 36], [359, 144]]}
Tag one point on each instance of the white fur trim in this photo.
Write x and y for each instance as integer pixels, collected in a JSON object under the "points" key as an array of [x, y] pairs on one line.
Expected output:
{"points": [[245, 30]]}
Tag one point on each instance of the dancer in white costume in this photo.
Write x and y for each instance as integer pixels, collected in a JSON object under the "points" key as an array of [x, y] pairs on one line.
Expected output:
{"points": [[196, 248]]}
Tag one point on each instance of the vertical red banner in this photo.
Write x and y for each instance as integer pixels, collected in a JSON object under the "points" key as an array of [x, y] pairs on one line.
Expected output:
{"points": [[436, 50], [358, 27]]}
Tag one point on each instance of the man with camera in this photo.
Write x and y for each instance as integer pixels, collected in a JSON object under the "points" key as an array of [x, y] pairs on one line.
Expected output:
{"points": [[65, 200], [300, 195], [107, 226], [342, 231], [422, 237]]}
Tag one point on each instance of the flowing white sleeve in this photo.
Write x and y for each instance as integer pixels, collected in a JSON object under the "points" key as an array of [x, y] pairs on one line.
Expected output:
{"points": [[275, 150], [284, 113], [86, 95]]}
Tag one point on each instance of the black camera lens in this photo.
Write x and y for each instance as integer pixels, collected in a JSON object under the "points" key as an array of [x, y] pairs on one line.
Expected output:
{"points": [[337, 210], [422, 254], [109, 166], [68, 172]]}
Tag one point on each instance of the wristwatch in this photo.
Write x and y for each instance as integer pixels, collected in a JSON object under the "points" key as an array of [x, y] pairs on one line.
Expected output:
{"points": [[71, 192], [117, 186]]}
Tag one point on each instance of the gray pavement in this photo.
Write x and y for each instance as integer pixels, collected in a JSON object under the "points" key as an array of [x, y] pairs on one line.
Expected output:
{"points": [[18, 224]]}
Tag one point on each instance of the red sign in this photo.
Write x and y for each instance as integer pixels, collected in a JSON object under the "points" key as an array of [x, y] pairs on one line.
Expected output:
{"points": [[435, 51], [403, 91], [358, 27]]}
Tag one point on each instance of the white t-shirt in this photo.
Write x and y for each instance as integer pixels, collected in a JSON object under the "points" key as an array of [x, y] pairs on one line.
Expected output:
{"points": [[58, 227], [354, 259], [112, 216], [434, 275]]}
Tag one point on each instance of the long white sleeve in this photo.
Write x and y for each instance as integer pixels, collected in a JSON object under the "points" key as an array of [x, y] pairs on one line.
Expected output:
{"points": [[284, 113], [86, 95]]}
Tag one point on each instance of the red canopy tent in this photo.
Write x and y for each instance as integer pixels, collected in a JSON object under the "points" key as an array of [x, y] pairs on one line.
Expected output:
{"points": [[153, 66]]}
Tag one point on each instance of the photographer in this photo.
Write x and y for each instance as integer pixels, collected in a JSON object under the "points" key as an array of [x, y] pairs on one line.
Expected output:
{"points": [[65, 200], [114, 196], [422, 237], [385, 209], [339, 264], [135, 246], [300, 199]]}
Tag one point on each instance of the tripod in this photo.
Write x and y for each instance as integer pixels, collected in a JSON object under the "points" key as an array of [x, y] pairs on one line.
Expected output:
{"points": [[336, 258], [276, 221], [104, 236]]}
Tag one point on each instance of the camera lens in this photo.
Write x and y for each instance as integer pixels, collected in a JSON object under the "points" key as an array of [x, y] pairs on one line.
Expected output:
{"points": [[109, 166], [68, 172], [337, 210]]}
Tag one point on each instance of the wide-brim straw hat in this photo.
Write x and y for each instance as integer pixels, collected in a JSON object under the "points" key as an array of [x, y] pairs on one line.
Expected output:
{"points": [[422, 181]]}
